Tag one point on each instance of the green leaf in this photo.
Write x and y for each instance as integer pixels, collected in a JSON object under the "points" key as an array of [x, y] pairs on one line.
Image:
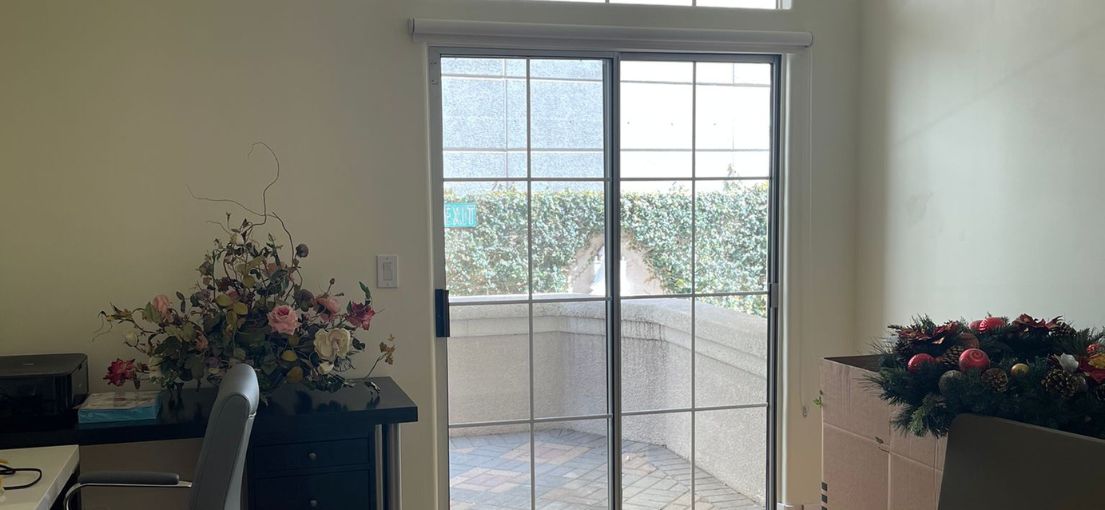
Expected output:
{"points": [[210, 323], [240, 308], [367, 293], [252, 337], [197, 367], [268, 366], [150, 314]]}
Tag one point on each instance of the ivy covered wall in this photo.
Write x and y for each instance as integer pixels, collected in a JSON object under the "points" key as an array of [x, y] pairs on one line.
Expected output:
{"points": [[730, 219]]}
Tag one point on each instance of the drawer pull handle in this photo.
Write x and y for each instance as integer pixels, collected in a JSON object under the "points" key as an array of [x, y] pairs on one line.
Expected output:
{"points": [[313, 456], [313, 503]]}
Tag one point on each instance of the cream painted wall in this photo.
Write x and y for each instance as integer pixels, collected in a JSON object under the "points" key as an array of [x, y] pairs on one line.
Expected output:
{"points": [[982, 160], [110, 109]]}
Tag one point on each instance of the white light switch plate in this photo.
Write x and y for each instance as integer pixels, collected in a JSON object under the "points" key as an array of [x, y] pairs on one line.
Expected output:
{"points": [[387, 271]]}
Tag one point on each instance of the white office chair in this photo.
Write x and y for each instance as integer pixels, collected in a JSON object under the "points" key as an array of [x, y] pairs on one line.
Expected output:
{"points": [[996, 463], [218, 480]]}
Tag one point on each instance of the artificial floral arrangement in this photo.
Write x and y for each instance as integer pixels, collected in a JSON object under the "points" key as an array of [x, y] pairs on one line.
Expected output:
{"points": [[251, 306], [1043, 372]]}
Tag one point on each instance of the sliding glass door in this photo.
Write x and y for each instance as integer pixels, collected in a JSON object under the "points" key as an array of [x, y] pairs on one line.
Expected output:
{"points": [[606, 228]]}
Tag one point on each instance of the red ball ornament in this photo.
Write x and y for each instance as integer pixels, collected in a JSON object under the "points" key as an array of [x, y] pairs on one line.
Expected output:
{"points": [[1094, 348], [990, 323], [968, 340], [973, 359], [917, 361], [974, 325]]}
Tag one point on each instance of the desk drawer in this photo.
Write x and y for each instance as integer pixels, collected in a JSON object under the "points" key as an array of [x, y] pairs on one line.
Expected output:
{"points": [[319, 454], [347, 490]]}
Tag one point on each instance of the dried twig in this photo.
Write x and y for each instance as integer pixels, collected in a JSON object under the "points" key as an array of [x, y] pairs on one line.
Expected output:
{"points": [[264, 213]]}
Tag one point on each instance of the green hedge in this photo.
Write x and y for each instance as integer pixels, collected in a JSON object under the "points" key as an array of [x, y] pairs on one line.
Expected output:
{"points": [[731, 250]]}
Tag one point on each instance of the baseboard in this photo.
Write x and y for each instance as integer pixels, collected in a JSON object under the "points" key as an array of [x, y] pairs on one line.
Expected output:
{"points": [[799, 506]]}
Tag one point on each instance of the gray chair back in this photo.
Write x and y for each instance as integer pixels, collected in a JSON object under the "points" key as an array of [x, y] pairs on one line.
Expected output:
{"points": [[217, 482], [996, 463]]}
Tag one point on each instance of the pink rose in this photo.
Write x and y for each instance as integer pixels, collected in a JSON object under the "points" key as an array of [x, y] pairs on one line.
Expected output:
{"points": [[361, 315], [201, 343], [328, 303], [161, 304], [283, 319]]}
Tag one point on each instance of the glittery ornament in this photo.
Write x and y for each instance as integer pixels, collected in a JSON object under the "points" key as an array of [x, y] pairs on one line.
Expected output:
{"points": [[991, 323], [947, 380]]}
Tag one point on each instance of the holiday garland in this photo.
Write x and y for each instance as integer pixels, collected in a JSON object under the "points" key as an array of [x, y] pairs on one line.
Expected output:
{"points": [[1034, 371]]}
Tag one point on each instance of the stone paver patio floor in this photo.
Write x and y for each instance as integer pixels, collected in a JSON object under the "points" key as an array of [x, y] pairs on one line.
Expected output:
{"points": [[492, 472]]}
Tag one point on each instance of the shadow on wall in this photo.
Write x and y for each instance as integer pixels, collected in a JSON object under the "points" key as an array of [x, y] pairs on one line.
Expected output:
{"points": [[570, 379]]}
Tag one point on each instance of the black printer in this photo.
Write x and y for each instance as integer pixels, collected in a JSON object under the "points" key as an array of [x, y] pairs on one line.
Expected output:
{"points": [[41, 386]]}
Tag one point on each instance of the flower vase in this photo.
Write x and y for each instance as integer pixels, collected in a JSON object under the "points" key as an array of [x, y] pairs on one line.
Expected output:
{"points": [[121, 395], [176, 398]]}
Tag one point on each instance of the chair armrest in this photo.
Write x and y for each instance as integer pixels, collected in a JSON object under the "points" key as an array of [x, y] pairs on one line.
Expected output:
{"points": [[125, 479], [128, 478]]}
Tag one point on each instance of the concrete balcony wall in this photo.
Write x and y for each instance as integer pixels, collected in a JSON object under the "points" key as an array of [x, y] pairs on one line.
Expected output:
{"points": [[489, 380]]}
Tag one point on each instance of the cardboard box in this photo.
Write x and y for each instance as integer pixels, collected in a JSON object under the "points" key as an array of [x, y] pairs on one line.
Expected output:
{"points": [[865, 463]]}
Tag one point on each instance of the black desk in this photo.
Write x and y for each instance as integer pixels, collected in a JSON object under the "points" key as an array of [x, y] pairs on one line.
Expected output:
{"points": [[299, 436]]}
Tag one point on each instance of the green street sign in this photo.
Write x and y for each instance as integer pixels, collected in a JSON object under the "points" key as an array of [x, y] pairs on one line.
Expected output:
{"points": [[460, 215]]}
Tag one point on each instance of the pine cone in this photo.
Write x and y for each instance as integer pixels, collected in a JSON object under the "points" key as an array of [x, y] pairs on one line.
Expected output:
{"points": [[1061, 383], [950, 358], [1062, 329], [904, 349], [996, 379]]}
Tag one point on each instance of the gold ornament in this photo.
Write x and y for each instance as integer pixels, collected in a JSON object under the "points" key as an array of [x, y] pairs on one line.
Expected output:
{"points": [[1019, 370]]}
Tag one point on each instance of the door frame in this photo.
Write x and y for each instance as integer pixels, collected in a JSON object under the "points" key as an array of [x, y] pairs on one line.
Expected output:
{"points": [[612, 146]]}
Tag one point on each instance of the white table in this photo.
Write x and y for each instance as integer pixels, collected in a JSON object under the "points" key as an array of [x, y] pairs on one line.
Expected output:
{"points": [[58, 463]]}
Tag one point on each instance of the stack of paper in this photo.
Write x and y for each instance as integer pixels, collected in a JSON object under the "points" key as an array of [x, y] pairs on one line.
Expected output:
{"points": [[119, 406]]}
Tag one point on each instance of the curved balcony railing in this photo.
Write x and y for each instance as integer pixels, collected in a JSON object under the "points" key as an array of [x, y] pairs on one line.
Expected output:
{"points": [[569, 358]]}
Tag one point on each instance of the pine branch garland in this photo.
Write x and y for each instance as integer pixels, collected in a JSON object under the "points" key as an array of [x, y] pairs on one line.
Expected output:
{"points": [[925, 409]]}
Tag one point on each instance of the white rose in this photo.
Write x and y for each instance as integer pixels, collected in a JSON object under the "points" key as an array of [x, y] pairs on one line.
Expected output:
{"points": [[343, 341], [332, 344], [323, 347], [236, 239], [325, 367], [1068, 362], [130, 338]]}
